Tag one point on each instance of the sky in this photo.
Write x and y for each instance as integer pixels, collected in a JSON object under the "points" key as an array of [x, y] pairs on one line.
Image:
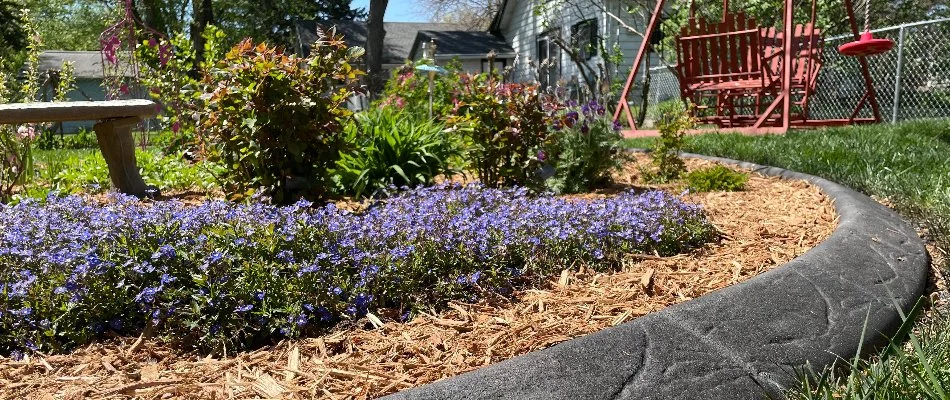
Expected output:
{"points": [[398, 10]]}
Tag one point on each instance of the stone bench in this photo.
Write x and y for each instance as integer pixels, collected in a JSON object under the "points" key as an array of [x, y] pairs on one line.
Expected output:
{"points": [[113, 131]]}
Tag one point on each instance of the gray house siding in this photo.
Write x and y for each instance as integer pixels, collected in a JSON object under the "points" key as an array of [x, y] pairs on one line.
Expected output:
{"points": [[522, 27]]}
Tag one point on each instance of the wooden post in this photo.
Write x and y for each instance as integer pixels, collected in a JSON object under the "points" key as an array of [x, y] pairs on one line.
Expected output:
{"points": [[118, 148]]}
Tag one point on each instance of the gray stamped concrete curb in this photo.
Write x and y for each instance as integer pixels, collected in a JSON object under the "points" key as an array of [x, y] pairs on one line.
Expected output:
{"points": [[741, 342]]}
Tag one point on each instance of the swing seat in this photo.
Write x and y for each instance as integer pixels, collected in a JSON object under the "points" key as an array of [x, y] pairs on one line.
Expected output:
{"points": [[724, 62], [807, 45]]}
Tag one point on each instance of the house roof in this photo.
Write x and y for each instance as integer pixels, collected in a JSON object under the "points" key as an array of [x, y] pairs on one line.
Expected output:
{"points": [[462, 43], [397, 44], [86, 64], [495, 25]]}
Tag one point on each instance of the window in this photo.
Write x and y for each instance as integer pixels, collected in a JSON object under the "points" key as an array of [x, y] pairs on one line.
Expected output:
{"points": [[549, 59], [499, 66], [584, 38]]}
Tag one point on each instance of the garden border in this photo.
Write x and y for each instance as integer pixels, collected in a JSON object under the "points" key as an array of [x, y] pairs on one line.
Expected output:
{"points": [[743, 341]]}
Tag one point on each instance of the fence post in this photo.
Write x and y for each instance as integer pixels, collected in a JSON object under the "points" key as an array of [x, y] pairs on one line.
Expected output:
{"points": [[897, 76]]}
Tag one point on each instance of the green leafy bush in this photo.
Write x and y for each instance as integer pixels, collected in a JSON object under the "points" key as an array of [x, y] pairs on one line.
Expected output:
{"points": [[504, 126], [391, 148], [84, 139], [583, 149], [408, 90], [174, 77], [716, 178], [673, 123], [276, 121]]}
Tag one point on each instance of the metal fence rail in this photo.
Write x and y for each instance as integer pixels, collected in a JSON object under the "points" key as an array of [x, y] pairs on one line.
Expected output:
{"points": [[912, 81]]}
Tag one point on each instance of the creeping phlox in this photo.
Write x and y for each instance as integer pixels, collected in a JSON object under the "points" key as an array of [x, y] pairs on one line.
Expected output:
{"points": [[225, 275]]}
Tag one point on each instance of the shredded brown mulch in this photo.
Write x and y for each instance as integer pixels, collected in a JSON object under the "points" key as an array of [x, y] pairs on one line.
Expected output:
{"points": [[768, 224]]}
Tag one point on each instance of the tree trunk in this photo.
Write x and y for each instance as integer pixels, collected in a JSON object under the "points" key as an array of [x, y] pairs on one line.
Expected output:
{"points": [[375, 33], [203, 16], [644, 92], [154, 17]]}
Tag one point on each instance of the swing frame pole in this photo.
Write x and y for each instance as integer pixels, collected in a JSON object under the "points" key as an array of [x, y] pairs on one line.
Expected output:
{"points": [[870, 95], [622, 106]]}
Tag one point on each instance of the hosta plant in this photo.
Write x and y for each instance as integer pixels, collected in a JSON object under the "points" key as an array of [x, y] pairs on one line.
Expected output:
{"points": [[391, 148]]}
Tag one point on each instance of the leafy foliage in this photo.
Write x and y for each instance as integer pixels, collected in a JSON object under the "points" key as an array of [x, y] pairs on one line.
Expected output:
{"points": [[225, 275], [408, 91], [673, 124], [273, 21], [584, 149], [16, 142], [716, 178], [174, 78], [85, 171], [276, 121], [391, 148], [504, 125]]}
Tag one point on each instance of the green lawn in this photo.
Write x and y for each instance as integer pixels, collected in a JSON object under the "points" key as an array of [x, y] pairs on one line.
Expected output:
{"points": [[82, 170], [908, 165]]}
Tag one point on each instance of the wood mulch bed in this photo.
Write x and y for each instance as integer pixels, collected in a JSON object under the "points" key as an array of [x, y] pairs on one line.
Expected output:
{"points": [[768, 224]]}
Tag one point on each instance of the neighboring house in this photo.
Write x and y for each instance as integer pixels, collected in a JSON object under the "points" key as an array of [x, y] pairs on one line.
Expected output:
{"points": [[87, 70], [403, 42], [471, 48], [533, 27]]}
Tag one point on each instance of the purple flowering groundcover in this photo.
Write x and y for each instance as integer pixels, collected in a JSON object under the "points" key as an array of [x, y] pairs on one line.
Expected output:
{"points": [[222, 274]]}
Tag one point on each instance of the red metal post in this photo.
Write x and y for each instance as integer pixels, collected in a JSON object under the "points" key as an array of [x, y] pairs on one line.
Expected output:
{"points": [[644, 47], [787, 63]]}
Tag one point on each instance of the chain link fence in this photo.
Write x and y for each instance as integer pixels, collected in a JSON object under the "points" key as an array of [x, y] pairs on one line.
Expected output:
{"points": [[912, 81]]}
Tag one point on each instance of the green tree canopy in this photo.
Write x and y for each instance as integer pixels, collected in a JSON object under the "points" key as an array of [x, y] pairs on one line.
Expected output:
{"points": [[273, 21]]}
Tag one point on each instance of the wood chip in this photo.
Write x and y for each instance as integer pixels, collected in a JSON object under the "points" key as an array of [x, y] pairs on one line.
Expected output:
{"points": [[768, 224]]}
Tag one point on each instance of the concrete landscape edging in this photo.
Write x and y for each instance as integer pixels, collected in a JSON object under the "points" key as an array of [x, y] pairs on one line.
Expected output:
{"points": [[741, 342]]}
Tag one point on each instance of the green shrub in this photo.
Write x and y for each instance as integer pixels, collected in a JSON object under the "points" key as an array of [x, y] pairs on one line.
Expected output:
{"points": [[276, 121], [673, 123], [584, 149], [408, 90], [174, 76], [391, 148], [84, 170], [716, 178], [504, 126]]}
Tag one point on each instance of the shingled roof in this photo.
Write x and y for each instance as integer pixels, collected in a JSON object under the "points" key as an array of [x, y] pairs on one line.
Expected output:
{"points": [[86, 64], [397, 44], [462, 44]]}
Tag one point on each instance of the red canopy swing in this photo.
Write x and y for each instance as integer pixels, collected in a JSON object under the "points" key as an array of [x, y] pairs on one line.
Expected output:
{"points": [[740, 75]]}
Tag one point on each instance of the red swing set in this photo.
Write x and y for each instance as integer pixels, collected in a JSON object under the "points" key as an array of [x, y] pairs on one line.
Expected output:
{"points": [[752, 79]]}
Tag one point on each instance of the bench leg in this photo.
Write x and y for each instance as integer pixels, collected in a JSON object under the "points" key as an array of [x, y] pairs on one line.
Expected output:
{"points": [[118, 148]]}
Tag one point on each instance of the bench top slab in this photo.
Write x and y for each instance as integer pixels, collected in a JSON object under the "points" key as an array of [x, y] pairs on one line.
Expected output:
{"points": [[17, 113]]}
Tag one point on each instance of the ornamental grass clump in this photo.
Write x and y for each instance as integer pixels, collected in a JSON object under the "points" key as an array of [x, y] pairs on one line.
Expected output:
{"points": [[222, 276]]}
